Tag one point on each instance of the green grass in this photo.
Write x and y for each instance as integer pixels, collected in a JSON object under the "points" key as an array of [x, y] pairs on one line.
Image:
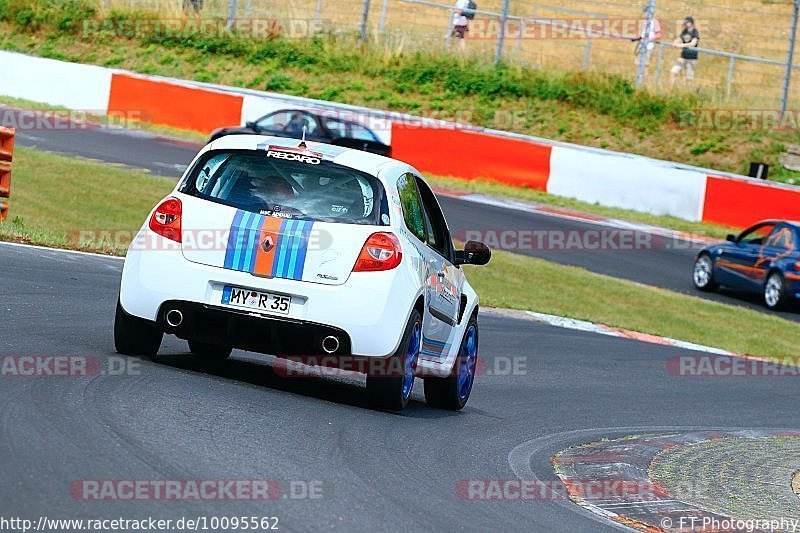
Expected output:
{"points": [[592, 109], [54, 198]]}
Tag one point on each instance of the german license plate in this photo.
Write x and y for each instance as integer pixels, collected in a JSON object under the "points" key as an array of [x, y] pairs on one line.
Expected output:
{"points": [[257, 300]]}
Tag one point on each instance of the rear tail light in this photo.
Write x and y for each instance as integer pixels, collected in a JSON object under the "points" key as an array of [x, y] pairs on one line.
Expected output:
{"points": [[381, 252], [166, 219]]}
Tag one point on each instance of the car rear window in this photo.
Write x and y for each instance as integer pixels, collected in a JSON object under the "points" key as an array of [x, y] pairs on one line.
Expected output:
{"points": [[321, 191], [350, 130]]}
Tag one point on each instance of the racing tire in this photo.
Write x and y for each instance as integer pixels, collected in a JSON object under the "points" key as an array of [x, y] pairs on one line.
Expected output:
{"points": [[210, 352], [775, 296], [703, 274], [452, 392], [392, 390], [135, 336]]}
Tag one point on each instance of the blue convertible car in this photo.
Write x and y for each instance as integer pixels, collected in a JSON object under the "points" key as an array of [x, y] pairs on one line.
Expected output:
{"points": [[764, 259]]}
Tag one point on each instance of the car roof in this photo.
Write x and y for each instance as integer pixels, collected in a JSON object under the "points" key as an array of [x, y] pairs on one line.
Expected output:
{"points": [[344, 116], [349, 157], [794, 223]]}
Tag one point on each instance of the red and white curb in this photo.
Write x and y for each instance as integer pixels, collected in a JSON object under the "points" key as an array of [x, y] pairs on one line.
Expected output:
{"points": [[570, 323], [602, 329], [629, 496]]}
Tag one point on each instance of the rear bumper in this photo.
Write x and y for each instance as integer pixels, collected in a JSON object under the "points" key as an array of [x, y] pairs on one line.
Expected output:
{"points": [[240, 329], [371, 309]]}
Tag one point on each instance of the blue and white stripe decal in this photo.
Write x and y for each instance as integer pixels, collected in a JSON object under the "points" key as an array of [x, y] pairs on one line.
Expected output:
{"points": [[291, 252], [288, 257], [433, 348]]}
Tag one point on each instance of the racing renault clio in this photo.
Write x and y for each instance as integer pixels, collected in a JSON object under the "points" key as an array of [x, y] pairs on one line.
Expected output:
{"points": [[280, 247]]}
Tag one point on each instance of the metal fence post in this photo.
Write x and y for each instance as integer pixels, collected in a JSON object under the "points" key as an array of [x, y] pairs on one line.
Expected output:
{"points": [[522, 28], [660, 65], [587, 53], [498, 52], [731, 68], [787, 79], [382, 24], [231, 14], [645, 42], [364, 20], [449, 33], [318, 12]]}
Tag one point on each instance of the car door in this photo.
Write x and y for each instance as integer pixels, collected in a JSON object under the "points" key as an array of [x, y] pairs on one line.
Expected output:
{"points": [[781, 243], [444, 279], [739, 264]]}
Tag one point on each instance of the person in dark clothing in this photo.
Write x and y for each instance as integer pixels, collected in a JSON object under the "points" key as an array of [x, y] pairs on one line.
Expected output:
{"points": [[688, 41], [193, 5]]}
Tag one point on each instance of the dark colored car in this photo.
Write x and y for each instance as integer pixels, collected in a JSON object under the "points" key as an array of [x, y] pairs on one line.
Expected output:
{"points": [[320, 126], [763, 259]]}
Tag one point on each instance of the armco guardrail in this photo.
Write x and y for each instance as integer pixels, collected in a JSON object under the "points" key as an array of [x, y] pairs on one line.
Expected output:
{"points": [[589, 174], [6, 155]]}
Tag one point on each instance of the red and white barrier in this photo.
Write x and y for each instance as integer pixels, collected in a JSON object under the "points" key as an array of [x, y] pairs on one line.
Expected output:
{"points": [[6, 156], [70, 85], [628, 182], [591, 175]]}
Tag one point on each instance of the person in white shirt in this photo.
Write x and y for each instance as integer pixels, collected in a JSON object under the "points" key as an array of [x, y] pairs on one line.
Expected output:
{"points": [[460, 23], [653, 36]]}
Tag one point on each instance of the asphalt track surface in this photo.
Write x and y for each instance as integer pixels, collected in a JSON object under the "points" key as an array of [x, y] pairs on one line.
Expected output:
{"points": [[664, 263], [177, 419]]}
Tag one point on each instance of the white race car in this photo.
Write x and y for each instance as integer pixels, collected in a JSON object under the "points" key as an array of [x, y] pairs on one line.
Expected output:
{"points": [[280, 247]]}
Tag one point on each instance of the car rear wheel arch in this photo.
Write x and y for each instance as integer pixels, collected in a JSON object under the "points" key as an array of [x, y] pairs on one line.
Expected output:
{"points": [[419, 305]]}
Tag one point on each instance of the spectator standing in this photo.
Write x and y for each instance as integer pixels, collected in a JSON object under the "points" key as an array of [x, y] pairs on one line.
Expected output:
{"points": [[461, 22], [193, 5], [652, 36], [688, 41]]}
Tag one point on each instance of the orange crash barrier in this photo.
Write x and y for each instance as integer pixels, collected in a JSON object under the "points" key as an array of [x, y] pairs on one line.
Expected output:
{"points": [[6, 155], [741, 203], [460, 153], [173, 104]]}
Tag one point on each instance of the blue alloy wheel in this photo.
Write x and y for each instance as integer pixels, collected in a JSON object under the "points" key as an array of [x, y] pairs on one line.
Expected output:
{"points": [[467, 358], [411, 359]]}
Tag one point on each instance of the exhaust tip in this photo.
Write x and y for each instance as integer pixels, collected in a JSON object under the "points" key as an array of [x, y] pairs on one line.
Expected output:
{"points": [[174, 318], [330, 344]]}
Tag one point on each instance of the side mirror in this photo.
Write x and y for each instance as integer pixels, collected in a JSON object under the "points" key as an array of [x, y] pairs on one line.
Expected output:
{"points": [[474, 253], [250, 124], [731, 238]]}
